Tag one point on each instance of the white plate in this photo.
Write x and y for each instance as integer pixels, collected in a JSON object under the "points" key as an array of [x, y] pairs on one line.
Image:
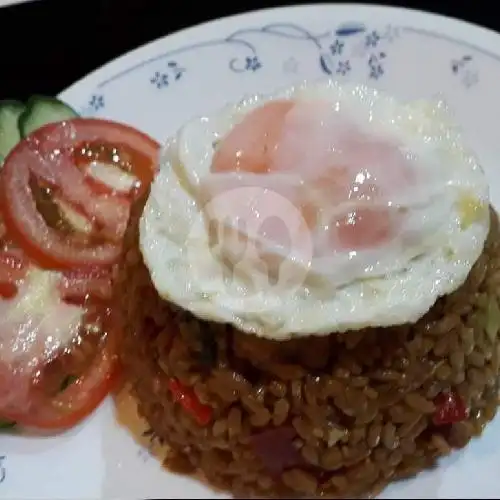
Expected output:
{"points": [[159, 86], [5, 3]]}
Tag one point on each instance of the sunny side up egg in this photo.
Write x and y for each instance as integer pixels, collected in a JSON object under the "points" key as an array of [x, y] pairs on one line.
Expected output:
{"points": [[321, 208]]}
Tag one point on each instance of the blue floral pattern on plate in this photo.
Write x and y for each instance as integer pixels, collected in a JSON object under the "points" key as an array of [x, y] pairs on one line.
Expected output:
{"points": [[350, 46], [466, 70], [96, 102], [2, 470], [163, 77]]}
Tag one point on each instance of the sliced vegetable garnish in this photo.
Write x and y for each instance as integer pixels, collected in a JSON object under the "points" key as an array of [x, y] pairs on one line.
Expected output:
{"points": [[12, 269], [6, 425], [65, 196], [58, 361], [82, 283], [110, 179], [50, 159], [51, 328], [78, 400], [68, 381], [9, 131], [42, 110], [118, 166]]}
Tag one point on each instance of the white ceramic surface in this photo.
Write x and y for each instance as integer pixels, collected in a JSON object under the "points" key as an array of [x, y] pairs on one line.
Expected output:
{"points": [[159, 86], [6, 3]]}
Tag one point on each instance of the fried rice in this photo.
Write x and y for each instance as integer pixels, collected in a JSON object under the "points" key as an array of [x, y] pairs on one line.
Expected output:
{"points": [[338, 416]]}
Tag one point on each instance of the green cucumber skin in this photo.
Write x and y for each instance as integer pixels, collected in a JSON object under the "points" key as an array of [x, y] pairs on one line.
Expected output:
{"points": [[10, 111], [42, 110], [6, 425]]}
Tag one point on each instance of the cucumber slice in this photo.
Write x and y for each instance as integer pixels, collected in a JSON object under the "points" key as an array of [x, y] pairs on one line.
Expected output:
{"points": [[9, 131], [6, 425], [40, 111]]}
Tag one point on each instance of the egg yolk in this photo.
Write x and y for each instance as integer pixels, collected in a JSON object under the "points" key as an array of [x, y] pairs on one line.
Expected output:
{"points": [[248, 147], [352, 175]]}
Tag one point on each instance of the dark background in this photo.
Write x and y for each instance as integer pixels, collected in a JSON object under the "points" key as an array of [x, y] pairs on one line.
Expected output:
{"points": [[45, 45]]}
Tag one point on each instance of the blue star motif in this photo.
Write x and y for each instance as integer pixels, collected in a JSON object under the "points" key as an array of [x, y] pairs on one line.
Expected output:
{"points": [[372, 39], [343, 67], [96, 102], [375, 65], [163, 78], [376, 71], [252, 63], [337, 47], [160, 80]]}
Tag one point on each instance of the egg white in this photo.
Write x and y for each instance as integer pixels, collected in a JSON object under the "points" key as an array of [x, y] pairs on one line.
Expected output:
{"points": [[396, 285]]}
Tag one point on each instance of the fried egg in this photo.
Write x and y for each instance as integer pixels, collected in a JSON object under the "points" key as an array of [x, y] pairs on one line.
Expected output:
{"points": [[320, 208]]}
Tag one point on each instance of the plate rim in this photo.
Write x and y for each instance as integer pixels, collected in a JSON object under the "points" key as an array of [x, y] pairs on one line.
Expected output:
{"points": [[9, 3], [454, 23]]}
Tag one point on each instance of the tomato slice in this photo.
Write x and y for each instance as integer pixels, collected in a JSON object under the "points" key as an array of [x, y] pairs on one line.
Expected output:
{"points": [[13, 268], [52, 326], [48, 156], [103, 188], [136, 153], [43, 244], [34, 402], [77, 401], [83, 283], [117, 169]]}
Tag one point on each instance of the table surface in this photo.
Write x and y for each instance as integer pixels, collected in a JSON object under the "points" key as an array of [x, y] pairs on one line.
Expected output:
{"points": [[48, 44]]}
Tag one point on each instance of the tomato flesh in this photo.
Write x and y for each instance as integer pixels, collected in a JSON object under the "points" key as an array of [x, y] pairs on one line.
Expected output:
{"points": [[12, 267], [83, 283], [122, 158], [77, 401], [47, 246], [26, 396]]}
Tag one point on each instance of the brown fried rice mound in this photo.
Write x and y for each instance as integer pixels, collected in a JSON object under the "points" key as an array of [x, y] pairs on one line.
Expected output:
{"points": [[338, 416]]}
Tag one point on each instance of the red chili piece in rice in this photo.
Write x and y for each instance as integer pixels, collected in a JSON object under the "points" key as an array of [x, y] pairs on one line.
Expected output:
{"points": [[450, 409]]}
